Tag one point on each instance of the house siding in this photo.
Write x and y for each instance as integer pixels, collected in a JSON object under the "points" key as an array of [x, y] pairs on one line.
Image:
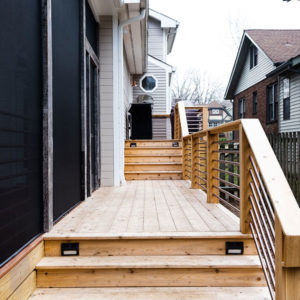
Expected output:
{"points": [[249, 77], [293, 124], [261, 89], [106, 101], [156, 39], [160, 94]]}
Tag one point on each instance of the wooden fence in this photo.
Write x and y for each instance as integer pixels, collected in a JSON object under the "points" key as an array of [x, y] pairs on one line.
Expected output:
{"points": [[286, 146]]}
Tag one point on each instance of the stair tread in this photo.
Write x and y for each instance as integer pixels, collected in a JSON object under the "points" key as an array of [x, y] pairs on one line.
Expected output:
{"points": [[152, 172], [153, 147], [153, 293], [151, 141], [153, 163], [145, 235], [149, 262], [154, 154]]}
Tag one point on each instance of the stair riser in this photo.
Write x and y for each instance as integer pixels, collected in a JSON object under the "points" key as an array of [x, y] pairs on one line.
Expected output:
{"points": [[152, 143], [149, 247], [150, 277], [158, 176], [154, 159], [144, 167], [145, 151]]}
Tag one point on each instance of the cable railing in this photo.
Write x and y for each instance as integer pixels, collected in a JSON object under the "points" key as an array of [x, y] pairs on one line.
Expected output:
{"points": [[235, 166]]}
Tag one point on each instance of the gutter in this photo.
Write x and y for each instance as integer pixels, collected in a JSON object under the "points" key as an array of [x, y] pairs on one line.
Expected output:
{"points": [[120, 81]]}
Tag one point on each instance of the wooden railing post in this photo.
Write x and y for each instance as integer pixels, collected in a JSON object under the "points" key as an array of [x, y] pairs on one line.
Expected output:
{"points": [[204, 118], [212, 164], [195, 161], [245, 179]]}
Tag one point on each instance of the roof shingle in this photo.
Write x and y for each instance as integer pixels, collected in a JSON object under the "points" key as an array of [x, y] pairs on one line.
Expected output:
{"points": [[278, 45]]}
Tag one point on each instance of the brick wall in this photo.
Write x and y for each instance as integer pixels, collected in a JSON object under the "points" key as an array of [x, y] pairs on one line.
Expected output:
{"points": [[261, 89]]}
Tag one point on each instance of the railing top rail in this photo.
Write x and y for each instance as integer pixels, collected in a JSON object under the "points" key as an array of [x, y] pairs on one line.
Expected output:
{"points": [[281, 195]]}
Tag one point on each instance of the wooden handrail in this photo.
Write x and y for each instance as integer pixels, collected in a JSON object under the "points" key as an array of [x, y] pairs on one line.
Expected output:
{"points": [[261, 189]]}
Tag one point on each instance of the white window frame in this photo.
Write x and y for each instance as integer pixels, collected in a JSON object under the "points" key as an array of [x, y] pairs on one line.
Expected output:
{"points": [[143, 77]]}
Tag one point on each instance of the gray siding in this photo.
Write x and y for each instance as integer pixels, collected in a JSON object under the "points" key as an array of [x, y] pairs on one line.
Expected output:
{"points": [[106, 101], [294, 123], [250, 77], [160, 94], [156, 40], [161, 128]]}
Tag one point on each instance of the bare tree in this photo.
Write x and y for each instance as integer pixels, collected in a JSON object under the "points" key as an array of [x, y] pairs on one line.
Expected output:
{"points": [[197, 87], [236, 26]]}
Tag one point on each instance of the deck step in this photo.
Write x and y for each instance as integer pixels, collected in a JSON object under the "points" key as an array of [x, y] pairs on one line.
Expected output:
{"points": [[175, 293], [153, 166], [153, 150], [146, 271], [167, 243], [153, 143], [154, 158], [153, 175]]}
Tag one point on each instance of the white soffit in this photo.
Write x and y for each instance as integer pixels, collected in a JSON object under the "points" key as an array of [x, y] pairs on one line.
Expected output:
{"points": [[166, 22]]}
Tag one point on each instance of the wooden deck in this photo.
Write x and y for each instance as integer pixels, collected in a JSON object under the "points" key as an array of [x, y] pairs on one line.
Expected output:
{"points": [[143, 207]]}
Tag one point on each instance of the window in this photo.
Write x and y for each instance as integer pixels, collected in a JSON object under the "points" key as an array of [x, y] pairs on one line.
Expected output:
{"points": [[215, 111], [254, 101], [272, 103], [148, 83], [286, 98], [253, 56], [242, 108]]}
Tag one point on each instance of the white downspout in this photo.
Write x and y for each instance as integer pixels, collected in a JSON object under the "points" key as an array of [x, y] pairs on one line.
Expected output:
{"points": [[120, 88]]}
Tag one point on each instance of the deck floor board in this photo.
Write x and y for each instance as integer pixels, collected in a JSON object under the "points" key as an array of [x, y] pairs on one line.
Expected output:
{"points": [[147, 207]]}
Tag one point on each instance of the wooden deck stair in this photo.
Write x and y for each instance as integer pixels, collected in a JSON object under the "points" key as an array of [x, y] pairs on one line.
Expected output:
{"points": [[153, 159], [133, 266]]}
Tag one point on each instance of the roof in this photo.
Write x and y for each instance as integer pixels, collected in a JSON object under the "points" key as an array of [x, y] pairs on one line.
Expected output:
{"points": [[170, 24], [278, 45], [215, 104]]}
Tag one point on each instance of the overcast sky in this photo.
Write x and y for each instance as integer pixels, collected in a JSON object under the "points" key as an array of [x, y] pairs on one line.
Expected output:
{"points": [[204, 40]]}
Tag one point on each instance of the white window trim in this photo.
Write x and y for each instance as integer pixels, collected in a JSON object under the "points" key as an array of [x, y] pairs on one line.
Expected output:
{"points": [[142, 78]]}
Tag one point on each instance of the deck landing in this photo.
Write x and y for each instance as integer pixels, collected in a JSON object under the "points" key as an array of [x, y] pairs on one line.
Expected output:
{"points": [[156, 207]]}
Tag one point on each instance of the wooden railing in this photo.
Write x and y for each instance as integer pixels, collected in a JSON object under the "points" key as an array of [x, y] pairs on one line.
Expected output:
{"points": [[236, 166], [189, 119]]}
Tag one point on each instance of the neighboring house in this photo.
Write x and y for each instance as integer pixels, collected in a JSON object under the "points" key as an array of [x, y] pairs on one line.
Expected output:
{"points": [[218, 114], [65, 83], [156, 81], [265, 81]]}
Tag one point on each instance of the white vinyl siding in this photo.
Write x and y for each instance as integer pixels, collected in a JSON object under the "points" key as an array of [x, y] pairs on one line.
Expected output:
{"points": [[106, 101], [156, 39], [293, 124], [249, 77]]}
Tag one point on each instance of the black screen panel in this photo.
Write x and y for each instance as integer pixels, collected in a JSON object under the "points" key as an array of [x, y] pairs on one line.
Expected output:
{"points": [[21, 202], [66, 105], [91, 27]]}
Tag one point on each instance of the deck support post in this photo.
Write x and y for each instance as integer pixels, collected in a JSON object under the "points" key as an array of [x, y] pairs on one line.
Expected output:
{"points": [[212, 165], [245, 179]]}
